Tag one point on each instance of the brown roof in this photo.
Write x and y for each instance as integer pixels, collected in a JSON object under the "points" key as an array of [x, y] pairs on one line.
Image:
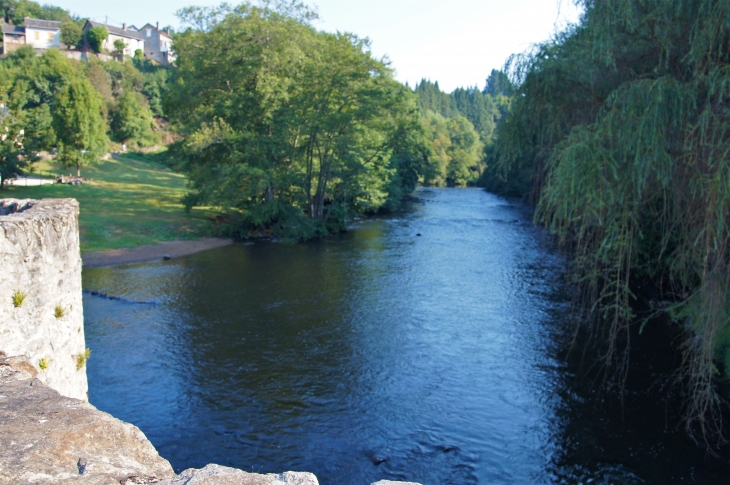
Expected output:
{"points": [[118, 31], [13, 29], [43, 24]]}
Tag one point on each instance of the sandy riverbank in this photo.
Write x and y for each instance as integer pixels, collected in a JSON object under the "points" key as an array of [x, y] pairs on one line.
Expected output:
{"points": [[143, 254]]}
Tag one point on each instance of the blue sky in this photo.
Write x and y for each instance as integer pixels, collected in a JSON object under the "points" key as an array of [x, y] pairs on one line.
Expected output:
{"points": [[455, 42]]}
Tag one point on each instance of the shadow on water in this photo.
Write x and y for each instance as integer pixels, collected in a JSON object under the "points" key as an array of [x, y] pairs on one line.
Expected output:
{"points": [[376, 354]]}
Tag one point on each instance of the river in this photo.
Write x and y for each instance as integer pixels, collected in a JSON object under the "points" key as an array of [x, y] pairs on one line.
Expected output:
{"points": [[427, 345]]}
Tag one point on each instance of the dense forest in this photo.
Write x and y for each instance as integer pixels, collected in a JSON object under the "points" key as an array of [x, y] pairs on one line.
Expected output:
{"points": [[619, 133], [461, 128]]}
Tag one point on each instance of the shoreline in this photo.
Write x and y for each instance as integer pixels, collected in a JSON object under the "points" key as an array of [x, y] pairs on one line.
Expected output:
{"points": [[151, 252]]}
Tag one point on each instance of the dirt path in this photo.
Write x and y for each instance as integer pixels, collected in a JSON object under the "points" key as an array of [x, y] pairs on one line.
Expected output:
{"points": [[143, 254]]}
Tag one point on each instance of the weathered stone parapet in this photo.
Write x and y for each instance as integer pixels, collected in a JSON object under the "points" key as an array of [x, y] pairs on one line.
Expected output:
{"points": [[222, 475], [41, 313], [47, 438]]}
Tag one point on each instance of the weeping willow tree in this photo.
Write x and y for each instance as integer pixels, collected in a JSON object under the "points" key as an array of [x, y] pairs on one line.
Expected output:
{"points": [[620, 133]]}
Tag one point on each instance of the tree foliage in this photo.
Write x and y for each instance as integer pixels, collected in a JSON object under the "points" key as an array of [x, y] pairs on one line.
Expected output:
{"points": [[50, 99], [122, 89], [119, 47], [15, 11], [71, 33], [620, 131], [289, 127], [96, 37], [454, 151], [132, 120]]}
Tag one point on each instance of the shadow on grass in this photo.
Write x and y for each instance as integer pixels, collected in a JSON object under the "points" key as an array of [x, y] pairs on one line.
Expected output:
{"points": [[127, 203]]}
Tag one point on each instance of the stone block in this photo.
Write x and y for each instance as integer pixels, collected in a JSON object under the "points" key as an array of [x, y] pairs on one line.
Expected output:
{"points": [[41, 313]]}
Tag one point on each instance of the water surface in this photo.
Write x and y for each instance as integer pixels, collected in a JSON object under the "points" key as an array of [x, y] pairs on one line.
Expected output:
{"points": [[421, 346]]}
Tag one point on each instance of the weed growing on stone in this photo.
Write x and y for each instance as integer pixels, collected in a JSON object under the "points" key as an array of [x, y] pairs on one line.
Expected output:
{"points": [[18, 298], [43, 363], [59, 312], [82, 358]]}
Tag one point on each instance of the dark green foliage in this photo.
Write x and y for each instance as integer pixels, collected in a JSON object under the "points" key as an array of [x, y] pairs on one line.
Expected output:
{"points": [[96, 37], [621, 131], [465, 153], [71, 33], [498, 84], [431, 98], [15, 11], [480, 109], [119, 46], [131, 120], [155, 87], [286, 128], [123, 90], [53, 103], [452, 151], [455, 157]]}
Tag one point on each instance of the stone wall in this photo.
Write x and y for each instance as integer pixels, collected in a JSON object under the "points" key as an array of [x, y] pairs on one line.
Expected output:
{"points": [[41, 313]]}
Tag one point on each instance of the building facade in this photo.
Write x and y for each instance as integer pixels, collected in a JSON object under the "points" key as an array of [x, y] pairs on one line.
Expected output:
{"points": [[131, 38], [13, 37], [42, 34], [158, 44]]}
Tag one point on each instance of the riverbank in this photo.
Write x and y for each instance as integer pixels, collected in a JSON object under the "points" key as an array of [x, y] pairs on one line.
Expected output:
{"points": [[151, 252], [127, 202]]}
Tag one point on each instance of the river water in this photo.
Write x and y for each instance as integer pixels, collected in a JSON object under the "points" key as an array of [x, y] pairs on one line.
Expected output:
{"points": [[426, 346]]}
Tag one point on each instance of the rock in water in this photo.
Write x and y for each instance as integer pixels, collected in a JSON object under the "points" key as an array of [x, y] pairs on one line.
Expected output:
{"points": [[221, 475], [48, 438]]}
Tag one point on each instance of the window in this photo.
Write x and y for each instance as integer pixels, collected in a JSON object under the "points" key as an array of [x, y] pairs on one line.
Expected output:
{"points": [[37, 35], [50, 35], [149, 32]]}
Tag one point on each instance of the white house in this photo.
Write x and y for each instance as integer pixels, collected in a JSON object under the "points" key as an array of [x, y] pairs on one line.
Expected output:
{"points": [[42, 34], [158, 44], [131, 38]]}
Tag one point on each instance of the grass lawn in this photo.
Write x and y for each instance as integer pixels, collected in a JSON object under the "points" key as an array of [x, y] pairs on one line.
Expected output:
{"points": [[129, 202]]}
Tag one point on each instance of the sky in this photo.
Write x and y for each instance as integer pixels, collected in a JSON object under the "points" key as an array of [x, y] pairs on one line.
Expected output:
{"points": [[454, 42]]}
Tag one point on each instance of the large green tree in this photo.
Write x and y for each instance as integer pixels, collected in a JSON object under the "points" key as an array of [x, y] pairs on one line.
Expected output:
{"points": [[132, 120], [71, 33], [289, 126], [50, 99], [619, 130]]}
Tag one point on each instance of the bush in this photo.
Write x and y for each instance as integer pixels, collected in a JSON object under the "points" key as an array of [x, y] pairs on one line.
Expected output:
{"points": [[96, 37]]}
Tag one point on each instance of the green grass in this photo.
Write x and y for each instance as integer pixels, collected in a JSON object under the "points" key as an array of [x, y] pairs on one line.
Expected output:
{"points": [[128, 202], [18, 298]]}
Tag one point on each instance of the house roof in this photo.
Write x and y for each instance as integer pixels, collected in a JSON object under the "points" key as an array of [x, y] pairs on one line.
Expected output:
{"points": [[43, 24], [13, 29], [118, 31]]}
